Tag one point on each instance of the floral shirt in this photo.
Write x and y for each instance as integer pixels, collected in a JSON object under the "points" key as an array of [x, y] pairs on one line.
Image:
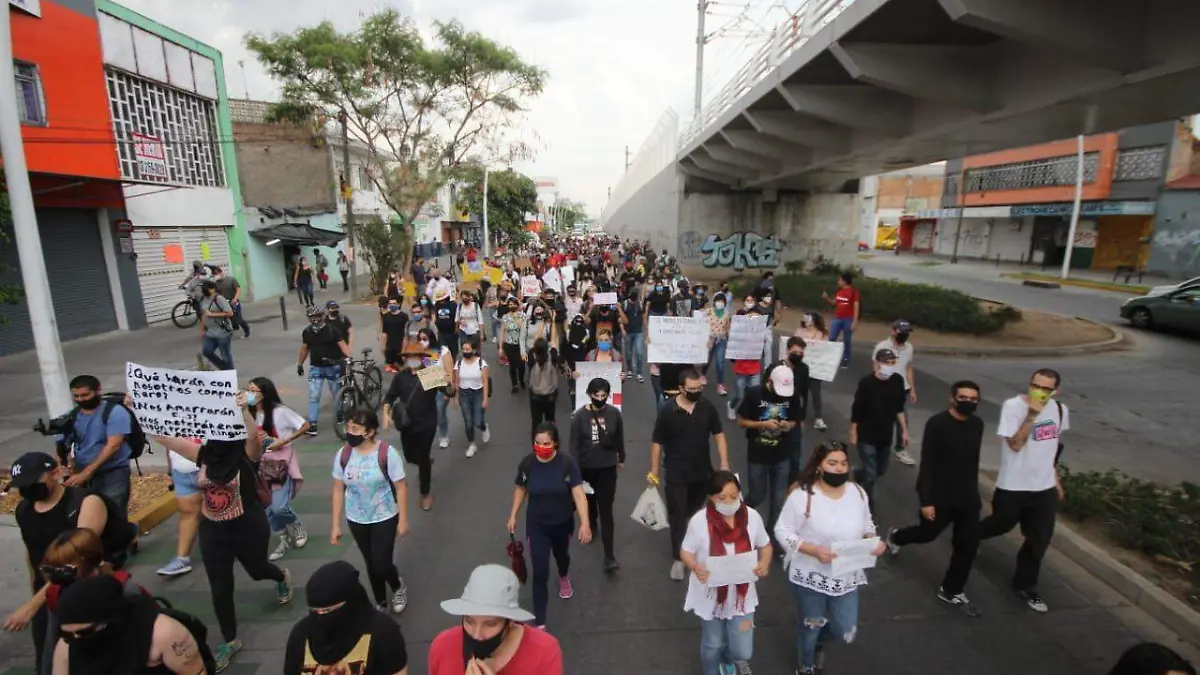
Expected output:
{"points": [[512, 328], [369, 499], [718, 326]]}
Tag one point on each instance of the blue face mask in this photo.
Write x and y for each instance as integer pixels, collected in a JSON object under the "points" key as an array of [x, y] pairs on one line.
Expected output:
{"points": [[658, 288], [416, 315], [604, 345]]}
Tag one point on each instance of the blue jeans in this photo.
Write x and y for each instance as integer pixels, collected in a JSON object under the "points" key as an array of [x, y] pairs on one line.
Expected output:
{"points": [[768, 482], [495, 326], [443, 421], [316, 376], [474, 416], [725, 641], [740, 384], [660, 400], [838, 327], [875, 461], [717, 354], [823, 618], [114, 484], [211, 345], [280, 513], [635, 353]]}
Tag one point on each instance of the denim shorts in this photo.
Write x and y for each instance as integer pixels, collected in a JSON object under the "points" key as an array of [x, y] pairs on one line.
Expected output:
{"points": [[186, 484]]}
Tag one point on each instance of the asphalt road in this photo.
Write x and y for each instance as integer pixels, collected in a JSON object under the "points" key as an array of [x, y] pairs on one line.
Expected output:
{"points": [[632, 621]]}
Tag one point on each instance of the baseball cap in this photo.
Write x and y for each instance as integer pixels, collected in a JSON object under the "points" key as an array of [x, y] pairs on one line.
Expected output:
{"points": [[492, 590], [901, 325], [781, 378], [30, 467], [885, 354]]}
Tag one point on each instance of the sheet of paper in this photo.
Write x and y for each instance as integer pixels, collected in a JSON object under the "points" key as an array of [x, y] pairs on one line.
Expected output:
{"points": [[588, 370], [675, 339], [606, 299], [185, 403], [746, 337], [432, 377], [730, 570], [854, 555], [823, 358], [530, 286]]}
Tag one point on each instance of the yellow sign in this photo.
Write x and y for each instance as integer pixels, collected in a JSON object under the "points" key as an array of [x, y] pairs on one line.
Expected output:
{"points": [[495, 275], [492, 274], [410, 290], [204, 251]]}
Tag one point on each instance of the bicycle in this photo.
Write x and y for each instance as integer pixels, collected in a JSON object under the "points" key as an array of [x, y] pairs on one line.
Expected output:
{"points": [[361, 386], [183, 314]]}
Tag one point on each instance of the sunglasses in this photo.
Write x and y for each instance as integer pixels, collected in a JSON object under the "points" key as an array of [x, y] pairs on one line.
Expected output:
{"points": [[59, 573], [84, 633]]}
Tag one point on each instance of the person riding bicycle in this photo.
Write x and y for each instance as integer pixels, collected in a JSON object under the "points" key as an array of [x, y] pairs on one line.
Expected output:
{"points": [[325, 348], [191, 285], [342, 322]]}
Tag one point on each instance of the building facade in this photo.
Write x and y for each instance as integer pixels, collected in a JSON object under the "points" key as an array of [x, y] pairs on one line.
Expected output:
{"points": [[887, 198]]}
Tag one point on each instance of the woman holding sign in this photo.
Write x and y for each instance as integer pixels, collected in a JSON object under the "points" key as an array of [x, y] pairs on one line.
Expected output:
{"points": [[438, 355], [413, 410]]}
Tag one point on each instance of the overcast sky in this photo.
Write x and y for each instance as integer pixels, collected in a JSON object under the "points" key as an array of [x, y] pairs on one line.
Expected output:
{"points": [[615, 65]]}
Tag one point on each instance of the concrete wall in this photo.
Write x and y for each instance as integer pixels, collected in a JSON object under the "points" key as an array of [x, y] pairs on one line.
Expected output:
{"points": [[1175, 244], [279, 166], [652, 213]]}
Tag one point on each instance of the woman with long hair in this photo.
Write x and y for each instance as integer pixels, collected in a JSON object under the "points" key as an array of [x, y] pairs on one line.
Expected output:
{"points": [[725, 526], [279, 467], [369, 487], [472, 379], [512, 330], [419, 416], [302, 280], [824, 509], [543, 382], [438, 355], [719, 318], [812, 327]]}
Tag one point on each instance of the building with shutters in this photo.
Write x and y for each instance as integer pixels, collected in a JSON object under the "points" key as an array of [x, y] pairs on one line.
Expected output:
{"points": [[75, 177]]}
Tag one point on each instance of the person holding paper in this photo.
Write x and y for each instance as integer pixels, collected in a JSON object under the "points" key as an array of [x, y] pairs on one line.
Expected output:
{"points": [[719, 318], [878, 406], [768, 416], [823, 511], [726, 547], [438, 355], [746, 372], [421, 407], [598, 444], [812, 328]]}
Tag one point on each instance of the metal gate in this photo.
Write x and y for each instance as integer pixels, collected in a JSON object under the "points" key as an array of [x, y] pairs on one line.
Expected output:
{"points": [[74, 255], [164, 259]]}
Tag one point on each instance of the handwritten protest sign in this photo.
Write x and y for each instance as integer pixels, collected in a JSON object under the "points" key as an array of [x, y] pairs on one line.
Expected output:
{"points": [[568, 274], [530, 286], [588, 371], [185, 403], [553, 279], [675, 339], [822, 357], [433, 377], [605, 299], [747, 337], [495, 275]]}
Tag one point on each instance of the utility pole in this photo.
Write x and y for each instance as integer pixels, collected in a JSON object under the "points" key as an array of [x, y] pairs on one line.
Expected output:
{"points": [[1089, 124], [962, 203], [627, 159], [348, 195], [702, 9], [487, 242], [40, 304]]}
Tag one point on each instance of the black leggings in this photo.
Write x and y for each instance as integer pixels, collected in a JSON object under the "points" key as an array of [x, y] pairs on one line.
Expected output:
{"points": [[542, 408], [417, 445], [516, 367], [244, 539], [376, 542], [600, 504]]}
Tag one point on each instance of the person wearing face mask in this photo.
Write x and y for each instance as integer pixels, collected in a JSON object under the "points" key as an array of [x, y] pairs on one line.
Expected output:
{"points": [[229, 288], [302, 281], [725, 526], [767, 415], [393, 328], [658, 298], [543, 382], [1028, 488], [279, 466], [635, 339], [719, 318], [553, 485], [440, 356], [681, 302], [444, 319], [538, 326], [747, 373], [794, 359], [812, 327], [821, 511], [578, 344], [767, 304], [216, 329], [604, 352], [468, 318], [598, 445], [421, 406], [98, 437], [573, 304], [473, 379], [342, 632], [493, 636], [325, 348], [418, 320], [900, 344], [948, 491], [333, 314], [512, 334], [878, 407]]}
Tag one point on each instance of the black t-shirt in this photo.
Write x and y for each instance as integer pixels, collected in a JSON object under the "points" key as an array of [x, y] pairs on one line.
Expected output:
{"points": [[443, 314], [682, 305], [684, 438], [322, 344], [406, 389], [759, 405], [876, 404], [394, 326], [658, 302], [342, 323], [385, 654], [39, 530], [949, 473]]}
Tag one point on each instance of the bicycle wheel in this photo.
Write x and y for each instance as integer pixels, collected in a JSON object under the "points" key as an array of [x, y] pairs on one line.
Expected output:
{"points": [[372, 386], [183, 315], [348, 401]]}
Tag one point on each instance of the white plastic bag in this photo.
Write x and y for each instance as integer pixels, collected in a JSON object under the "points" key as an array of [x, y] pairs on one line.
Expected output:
{"points": [[651, 511]]}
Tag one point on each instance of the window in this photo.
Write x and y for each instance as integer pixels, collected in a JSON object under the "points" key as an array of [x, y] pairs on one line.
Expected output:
{"points": [[364, 179], [1054, 171], [1140, 163], [31, 107]]}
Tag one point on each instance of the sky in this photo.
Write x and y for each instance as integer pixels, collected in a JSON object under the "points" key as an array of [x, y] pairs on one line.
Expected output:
{"points": [[615, 66]]}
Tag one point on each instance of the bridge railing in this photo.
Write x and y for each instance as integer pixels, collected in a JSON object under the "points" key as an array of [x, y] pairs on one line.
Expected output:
{"points": [[787, 38]]}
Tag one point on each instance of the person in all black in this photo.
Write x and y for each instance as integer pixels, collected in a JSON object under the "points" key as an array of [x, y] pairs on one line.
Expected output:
{"points": [[680, 444], [658, 299], [325, 347], [420, 405], [795, 438], [598, 444], [579, 342], [768, 416], [445, 319], [681, 302], [699, 296], [342, 632], [333, 314], [393, 327], [878, 405], [948, 490]]}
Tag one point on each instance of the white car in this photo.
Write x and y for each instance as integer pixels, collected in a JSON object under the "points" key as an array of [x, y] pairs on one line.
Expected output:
{"points": [[1171, 288]]}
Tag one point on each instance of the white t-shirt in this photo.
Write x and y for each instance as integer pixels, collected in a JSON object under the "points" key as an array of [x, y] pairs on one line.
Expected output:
{"points": [[702, 600], [470, 375], [1031, 469], [287, 421], [904, 356], [829, 521], [182, 464], [471, 317]]}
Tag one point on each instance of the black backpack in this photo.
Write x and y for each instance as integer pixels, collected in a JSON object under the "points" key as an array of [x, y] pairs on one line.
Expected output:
{"points": [[195, 626], [135, 439], [118, 532]]}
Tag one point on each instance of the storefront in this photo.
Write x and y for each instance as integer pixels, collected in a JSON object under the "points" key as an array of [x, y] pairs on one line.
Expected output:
{"points": [[164, 260]]}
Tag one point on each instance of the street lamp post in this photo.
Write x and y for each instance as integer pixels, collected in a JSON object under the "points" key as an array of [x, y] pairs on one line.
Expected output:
{"points": [[487, 242]]}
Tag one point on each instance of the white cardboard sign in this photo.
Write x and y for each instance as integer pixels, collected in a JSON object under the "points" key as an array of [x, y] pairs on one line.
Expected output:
{"points": [[185, 403], [675, 339], [605, 299], [530, 287], [589, 370], [823, 358], [747, 337]]}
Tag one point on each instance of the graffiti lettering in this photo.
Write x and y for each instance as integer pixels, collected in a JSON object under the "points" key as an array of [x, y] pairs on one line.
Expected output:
{"points": [[689, 245], [741, 250]]}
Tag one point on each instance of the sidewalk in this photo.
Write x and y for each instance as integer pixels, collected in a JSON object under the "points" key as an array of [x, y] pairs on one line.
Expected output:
{"points": [[976, 268]]}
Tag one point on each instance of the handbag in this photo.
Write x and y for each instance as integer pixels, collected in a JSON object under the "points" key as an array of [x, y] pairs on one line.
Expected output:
{"points": [[400, 415], [274, 471]]}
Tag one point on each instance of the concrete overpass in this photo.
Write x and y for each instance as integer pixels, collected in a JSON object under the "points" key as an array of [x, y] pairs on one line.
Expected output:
{"points": [[857, 87]]}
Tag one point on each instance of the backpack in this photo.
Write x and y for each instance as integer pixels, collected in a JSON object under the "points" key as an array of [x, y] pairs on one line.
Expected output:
{"points": [[381, 455], [118, 533], [135, 439], [194, 626]]}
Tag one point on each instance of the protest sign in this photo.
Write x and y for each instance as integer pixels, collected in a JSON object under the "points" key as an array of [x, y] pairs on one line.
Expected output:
{"points": [[495, 275], [432, 377], [605, 299], [568, 274], [588, 371], [675, 339], [530, 287], [747, 337], [553, 279], [185, 403], [823, 358]]}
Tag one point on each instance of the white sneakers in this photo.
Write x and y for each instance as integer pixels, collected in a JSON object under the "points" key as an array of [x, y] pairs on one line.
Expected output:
{"points": [[903, 457], [487, 434], [445, 442], [471, 450], [730, 412]]}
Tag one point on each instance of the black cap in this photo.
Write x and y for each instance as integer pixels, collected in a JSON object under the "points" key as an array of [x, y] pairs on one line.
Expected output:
{"points": [[885, 355], [30, 467]]}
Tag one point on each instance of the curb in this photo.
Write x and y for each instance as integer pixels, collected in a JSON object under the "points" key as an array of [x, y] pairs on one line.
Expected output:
{"points": [[1117, 339], [153, 514], [1139, 591], [1099, 286]]}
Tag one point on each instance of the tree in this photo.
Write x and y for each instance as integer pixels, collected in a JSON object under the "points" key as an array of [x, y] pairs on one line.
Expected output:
{"points": [[568, 214], [511, 195], [378, 248], [426, 112], [10, 294]]}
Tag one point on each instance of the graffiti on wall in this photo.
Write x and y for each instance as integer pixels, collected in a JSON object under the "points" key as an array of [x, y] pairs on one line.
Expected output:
{"points": [[741, 250], [1176, 252], [689, 246]]}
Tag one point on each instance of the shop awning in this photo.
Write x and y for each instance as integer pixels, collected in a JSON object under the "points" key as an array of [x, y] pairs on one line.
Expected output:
{"points": [[299, 234]]}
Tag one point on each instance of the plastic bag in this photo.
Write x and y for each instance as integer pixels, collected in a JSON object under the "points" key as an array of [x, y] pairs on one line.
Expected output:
{"points": [[651, 511]]}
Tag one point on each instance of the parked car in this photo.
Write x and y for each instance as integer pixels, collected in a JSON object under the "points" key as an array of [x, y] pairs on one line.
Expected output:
{"points": [[1178, 309], [1169, 288]]}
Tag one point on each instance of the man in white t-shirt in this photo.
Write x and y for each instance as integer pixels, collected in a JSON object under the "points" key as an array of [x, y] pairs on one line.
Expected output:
{"points": [[899, 343], [1028, 488]]}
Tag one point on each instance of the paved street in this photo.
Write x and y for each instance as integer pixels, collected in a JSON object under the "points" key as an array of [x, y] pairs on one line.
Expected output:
{"points": [[632, 622]]}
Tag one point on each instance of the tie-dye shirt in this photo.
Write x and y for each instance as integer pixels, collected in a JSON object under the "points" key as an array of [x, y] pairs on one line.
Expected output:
{"points": [[369, 499]]}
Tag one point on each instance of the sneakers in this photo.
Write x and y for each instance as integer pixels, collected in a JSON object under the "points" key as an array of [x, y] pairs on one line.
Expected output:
{"points": [[283, 589], [629, 374], [743, 668], [565, 591], [445, 442], [819, 424], [176, 567], [400, 598], [730, 412], [1033, 601], [487, 434], [611, 564], [641, 380], [514, 389], [471, 450], [721, 390], [312, 429], [677, 571], [299, 535], [223, 655], [893, 548], [960, 601], [903, 457], [726, 669], [284, 544]]}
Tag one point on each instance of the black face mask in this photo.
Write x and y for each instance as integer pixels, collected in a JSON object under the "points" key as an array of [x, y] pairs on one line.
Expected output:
{"points": [[795, 360], [966, 407], [355, 440], [93, 635], [901, 338], [693, 396], [835, 479], [599, 403], [482, 649], [333, 313], [35, 493], [89, 403]]}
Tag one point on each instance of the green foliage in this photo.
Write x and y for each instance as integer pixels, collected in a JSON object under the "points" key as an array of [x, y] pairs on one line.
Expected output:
{"points": [[1160, 522], [378, 246], [567, 214], [10, 294], [511, 195]]}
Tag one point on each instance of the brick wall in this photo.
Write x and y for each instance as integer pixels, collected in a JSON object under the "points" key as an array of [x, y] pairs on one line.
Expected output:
{"points": [[894, 190], [283, 166]]}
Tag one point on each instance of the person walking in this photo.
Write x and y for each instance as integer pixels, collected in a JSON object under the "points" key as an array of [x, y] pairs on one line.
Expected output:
{"points": [[216, 329], [579, 341], [229, 288], [847, 306], [512, 331], [420, 414], [598, 445], [1028, 488], [821, 512], [948, 491], [793, 358], [325, 348], [719, 319], [437, 354], [469, 319], [343, 264], [279, 466], [768, 416], [184, 474], [635, 338], [725, 526], [878, 406], [370, 488], [321, 263], [746, 372], [553, 486], [899, 343], [543, 382], [680, 444], [812, 329], [473, 381], [393, 329], [302, 280]]}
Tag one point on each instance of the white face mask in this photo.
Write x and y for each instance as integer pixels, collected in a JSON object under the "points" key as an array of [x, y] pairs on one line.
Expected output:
{"points": [[886, 371], [730, 508], [412, 363], [748, 305]]}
